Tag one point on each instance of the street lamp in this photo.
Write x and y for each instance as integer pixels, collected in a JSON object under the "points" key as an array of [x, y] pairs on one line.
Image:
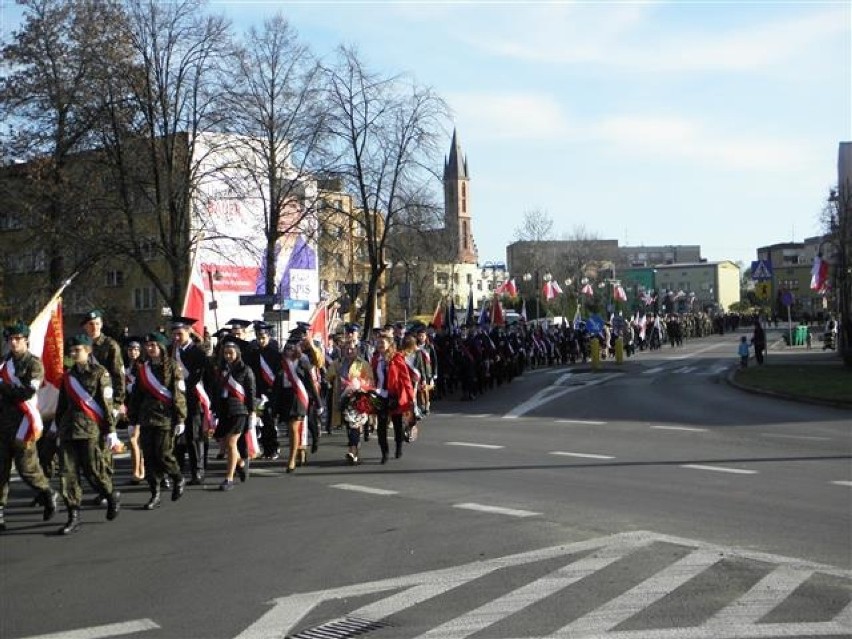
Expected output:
{"points": [[528, 277]]}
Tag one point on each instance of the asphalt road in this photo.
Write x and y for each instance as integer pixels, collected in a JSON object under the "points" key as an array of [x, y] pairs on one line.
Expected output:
{"points": [[654, 502]]}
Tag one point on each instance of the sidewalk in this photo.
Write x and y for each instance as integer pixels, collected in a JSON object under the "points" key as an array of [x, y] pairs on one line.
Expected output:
{"points": [[799, 374]]}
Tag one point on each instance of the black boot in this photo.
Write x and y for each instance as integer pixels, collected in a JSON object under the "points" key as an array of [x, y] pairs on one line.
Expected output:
{"points": [[48, 499], [113, 505], [73, 524], [179, 483], [154, 502], [398, 450]]}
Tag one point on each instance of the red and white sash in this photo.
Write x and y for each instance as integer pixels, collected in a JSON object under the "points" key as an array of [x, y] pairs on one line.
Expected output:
{"points": [[266, 371], [31, 426], [129, 379], [296, 383], [153, 385], [234, 389], [83, 400], [203, 399]]}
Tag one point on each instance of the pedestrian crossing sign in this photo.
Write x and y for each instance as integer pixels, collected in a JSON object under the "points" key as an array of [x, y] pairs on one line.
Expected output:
{"points": [[761, 270]]}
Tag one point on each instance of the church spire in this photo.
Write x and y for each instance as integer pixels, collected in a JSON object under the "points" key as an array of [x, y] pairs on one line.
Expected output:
{"points": [[455, 168]]}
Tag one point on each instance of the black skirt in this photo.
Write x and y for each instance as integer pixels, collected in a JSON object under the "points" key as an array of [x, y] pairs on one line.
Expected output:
{"points": [[231, 425]]}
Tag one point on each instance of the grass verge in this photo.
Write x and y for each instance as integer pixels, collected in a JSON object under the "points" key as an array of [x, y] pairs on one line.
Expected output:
{"points": [[830, 382]]}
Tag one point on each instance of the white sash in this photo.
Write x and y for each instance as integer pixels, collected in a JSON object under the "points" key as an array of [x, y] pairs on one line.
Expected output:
{"points": [[83, 399], [296, 382], [31, 426], [266, 371], [153, 385], [234, 389]]}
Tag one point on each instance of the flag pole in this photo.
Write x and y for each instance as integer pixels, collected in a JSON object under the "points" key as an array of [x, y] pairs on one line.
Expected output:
{"points": [[57, 294]]}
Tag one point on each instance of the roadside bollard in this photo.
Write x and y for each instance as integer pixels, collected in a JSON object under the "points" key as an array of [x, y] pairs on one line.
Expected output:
{"points": [[619, 350], [596, 354]]}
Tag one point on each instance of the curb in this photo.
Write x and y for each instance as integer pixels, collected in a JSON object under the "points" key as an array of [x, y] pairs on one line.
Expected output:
{"points": [[781, 395]]}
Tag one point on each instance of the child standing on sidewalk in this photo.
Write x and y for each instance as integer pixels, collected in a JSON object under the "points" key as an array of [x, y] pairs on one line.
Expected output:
{"points": [[743, 352]]}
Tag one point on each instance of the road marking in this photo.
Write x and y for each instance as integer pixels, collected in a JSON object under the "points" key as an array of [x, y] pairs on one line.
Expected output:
{"points": [[805, 437], [720, 469], [651, 371], [551, 393], [472, 445], [700, 350], [97, 632], [688, 429], [588, 422], [684, 369], [398, 594], [620, 609], [364, 489], [263, 472], [584, 455], [497, 510], [481, 415], [842, 483]]}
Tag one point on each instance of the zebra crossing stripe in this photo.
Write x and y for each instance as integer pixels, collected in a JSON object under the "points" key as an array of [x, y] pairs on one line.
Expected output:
{"points": [[620, 609], [364, 489], [652, 371], [99, 632], [497, 609]]}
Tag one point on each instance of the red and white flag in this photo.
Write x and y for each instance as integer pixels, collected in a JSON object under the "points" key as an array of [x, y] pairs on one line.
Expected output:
{"points": [[588, 291], [319, 324], [193, 302], [819, 274], [618, 294], [47, 340], [551, 289], [508, 288], [438, 318], [497, 316]]}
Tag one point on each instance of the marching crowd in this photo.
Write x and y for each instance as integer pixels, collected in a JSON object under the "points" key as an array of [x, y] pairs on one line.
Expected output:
{"points": [[175, 394]]}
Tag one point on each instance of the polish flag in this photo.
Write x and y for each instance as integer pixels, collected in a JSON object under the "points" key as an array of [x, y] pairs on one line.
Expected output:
{"points": [[319, 323], [588, 290], [193, 302], [497, 316], [551, 289], [47, 343], [619, 295], [508, 288], [819, 274]]}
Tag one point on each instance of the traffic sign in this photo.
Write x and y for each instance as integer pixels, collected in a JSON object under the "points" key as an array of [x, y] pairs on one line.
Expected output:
{"points": [[761, 270], [762, 290], [297, 305], [787, 298], [256, 300]]}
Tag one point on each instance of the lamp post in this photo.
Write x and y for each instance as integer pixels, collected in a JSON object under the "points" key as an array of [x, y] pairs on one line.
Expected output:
{"points": [[527, 277]]}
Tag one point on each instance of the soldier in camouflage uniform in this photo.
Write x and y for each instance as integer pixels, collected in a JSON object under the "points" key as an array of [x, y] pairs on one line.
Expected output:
{"points": [[158, 407], [84, 417], [21, 374], [106, 352]]}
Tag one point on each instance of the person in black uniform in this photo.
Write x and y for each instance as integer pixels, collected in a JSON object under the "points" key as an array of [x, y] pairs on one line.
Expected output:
{"points": [[196, 371], [265, 361], [234, 407]]}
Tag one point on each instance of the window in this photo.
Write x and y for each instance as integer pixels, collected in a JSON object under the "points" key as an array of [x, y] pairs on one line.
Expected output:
{"points": [[469, 279], [442, 280], [455, 278], [10, 222], [148, 249], [115, 279], [463, 198], [144, 298]]}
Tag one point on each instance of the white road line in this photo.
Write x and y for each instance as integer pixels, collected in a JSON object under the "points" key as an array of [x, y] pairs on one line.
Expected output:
{"points": [[97, 632], [688, 429], [720, 469], [497, 510], [472, 445], [684, 369], [842, 483], [651, 371], [584, 455], [551, 393], [588, 422], [498, 609], [700, 350], [364, 489], [481, 415], [617, 610], [805, 437]]}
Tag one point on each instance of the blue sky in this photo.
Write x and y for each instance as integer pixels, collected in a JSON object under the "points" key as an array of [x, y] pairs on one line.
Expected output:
{"points": [[711, 123]]}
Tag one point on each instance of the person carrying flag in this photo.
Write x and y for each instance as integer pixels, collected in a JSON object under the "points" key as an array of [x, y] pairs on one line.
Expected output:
{"points": [[84, 417], [195, 369], [158, 408], [21, 375]]}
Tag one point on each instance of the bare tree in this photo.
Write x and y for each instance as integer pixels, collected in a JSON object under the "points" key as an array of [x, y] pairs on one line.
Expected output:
{"points": [[386, 132], [51, 99], [537, 226], [274, 105], [838, 233], [161, 101]]}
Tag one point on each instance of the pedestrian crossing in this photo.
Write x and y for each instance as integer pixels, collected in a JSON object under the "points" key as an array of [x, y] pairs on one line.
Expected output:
{"points": [[634, 585], [709, 369]]}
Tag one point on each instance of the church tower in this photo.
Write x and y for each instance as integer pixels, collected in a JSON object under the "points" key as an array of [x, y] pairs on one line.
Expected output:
{"points": [[457, 221]]}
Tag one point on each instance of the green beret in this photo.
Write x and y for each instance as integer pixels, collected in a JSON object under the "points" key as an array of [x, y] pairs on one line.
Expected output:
{"points": [[81, 340], [18, 328], [93, 314], [161, 339]]}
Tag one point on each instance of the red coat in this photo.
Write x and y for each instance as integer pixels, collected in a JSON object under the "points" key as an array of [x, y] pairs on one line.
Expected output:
{"points": [[399, 385]]}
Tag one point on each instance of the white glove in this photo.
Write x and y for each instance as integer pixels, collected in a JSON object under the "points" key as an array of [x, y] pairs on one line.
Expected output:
{"points": [[53, 431], [112, 440], [252, 420], [179, 428], [264, 400], [320, 411]]}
